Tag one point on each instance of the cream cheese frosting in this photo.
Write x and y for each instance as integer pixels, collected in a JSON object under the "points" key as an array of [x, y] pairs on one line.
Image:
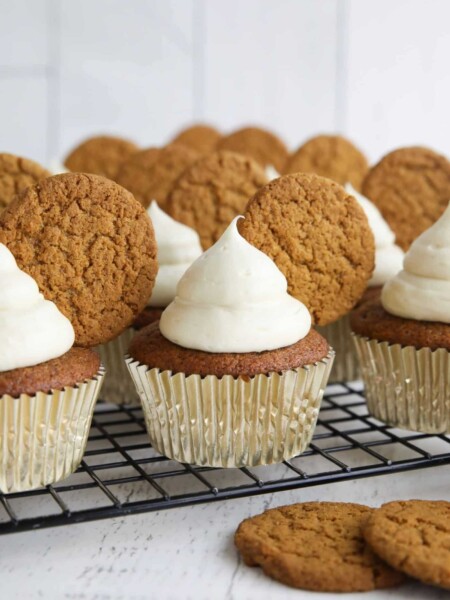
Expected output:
{"points": [[178, 247], [388, 256], [56, 167], [421, 290], [272, 173], [32, 329], [234, 299]]}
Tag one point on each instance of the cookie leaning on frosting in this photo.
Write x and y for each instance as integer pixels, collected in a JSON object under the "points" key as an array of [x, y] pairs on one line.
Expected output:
{"points": [[232, 339], [403, 341], [67, 274], [235, 347]]}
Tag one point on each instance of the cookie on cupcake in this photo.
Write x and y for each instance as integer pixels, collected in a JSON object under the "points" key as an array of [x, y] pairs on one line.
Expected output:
{"points": [[16, 174], [77, 264], [200, 137]]}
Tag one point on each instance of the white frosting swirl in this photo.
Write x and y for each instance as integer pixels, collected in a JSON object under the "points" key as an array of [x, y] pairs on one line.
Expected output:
{"points": [[178, 247], [421, 290], [32, 330], [56, 167], [388, 256], [271, 173], [234, 299]]}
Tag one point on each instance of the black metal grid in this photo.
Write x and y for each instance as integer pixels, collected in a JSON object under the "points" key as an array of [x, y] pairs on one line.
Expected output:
{"points": [[122, 474]]}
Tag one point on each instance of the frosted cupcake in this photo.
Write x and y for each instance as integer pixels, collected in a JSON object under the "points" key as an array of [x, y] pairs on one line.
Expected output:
{"points": [[388, 261], [48, 388], [178, 246], [233, 374], [403, 341]]}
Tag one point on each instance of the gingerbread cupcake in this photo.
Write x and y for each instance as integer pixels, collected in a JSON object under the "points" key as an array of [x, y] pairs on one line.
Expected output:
{"points": [[48, 388], [87, 246], [403, 341], [388, 261], [178, 247], [232, 375], [331, 156]]}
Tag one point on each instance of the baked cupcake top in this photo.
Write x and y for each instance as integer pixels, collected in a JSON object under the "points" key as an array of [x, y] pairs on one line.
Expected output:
{"points": [[178, 246], [421, 290], [32, 329], [234, 299], [388, 256]]}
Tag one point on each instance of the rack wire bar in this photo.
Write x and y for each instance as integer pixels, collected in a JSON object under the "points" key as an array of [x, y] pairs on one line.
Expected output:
{"points": [[122, 474]]}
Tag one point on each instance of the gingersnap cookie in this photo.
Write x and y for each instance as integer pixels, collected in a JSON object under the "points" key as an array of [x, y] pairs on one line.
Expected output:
{"points": [[411, 187], [150, 174], [260, 144], [202, 138], [315, 546], [90, 246], [213, 191], [331, 156], [16, 174], [414, 537], [318, 236], [101, 155]]}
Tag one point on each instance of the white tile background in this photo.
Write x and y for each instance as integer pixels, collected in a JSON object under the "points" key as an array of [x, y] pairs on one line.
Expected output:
{"points": [[377, 70]]}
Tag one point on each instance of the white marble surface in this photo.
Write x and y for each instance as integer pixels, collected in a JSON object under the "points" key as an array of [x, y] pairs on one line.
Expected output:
{"points": [[184, 552]]}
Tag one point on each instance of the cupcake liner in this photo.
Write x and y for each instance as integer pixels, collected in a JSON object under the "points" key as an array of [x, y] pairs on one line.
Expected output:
{"points": [[230, 422], [339, 336], [118, 386], [43, 437], [405, 386]]}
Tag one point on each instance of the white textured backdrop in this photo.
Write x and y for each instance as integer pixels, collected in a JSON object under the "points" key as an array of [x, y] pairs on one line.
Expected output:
{"points": [[377, 70]]}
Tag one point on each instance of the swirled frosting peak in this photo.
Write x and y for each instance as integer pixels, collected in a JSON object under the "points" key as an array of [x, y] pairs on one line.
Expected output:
{"points": [[32, 330], [234, 299], [178, 247], [421, 290], [388, 256]]}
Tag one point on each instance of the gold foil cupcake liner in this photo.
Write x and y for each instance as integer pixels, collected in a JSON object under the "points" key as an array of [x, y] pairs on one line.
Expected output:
{"points": [[231, 422], [118, 386], [339, 336], [405, 386], [43, 437]]}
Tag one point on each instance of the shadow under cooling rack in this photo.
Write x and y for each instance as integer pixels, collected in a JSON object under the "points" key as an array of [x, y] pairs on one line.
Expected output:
{"points": [[122, 474]]}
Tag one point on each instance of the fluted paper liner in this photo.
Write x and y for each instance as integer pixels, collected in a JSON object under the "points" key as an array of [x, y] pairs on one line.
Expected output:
{"points": [[118, 386], [339, 336], [405, 386], [231, 422], [43, 437]]}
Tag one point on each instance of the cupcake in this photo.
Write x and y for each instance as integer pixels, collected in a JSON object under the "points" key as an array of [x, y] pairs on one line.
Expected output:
{"points": [[232, 375], [178, 247], [403, 339], [388, 261], [48, 388]]}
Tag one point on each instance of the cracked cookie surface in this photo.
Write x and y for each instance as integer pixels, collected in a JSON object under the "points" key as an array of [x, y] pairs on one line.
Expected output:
{"points": [[150, 174], [90, 246], [315, 546], [261, 145], [100, 155], [318, 236], [411, 188], [213, 191], [330, 156], [414, 537], [16, 174]]}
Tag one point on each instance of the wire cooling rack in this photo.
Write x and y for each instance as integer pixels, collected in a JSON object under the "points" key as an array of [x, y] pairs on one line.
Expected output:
{"points": [[122, 474]]}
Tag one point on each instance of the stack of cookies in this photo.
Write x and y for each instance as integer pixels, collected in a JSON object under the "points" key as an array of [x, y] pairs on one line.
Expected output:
{"points": [[343, 547]]}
